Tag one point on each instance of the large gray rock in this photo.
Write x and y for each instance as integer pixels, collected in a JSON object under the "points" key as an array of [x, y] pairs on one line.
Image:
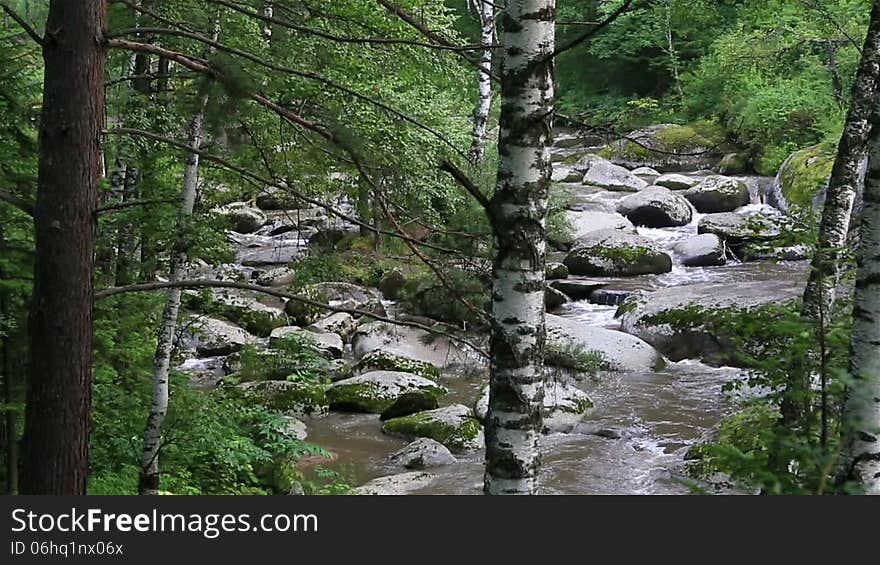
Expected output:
{"points": [[563, 408], [329, 344], [666, 147], [587, 222], [341, 323], [613, 177], [674, 319], [561, 173], [211, 337], [298, 398], [718, 194], [676, 181], [396, 485], [410, 343], [423, 453], [348, 295], [656, 207], [612, 253], [375, 391], [739, 229], [619, 351], [706, 250], [454, 426], [577, 289], [242, 218], [260, 251]]}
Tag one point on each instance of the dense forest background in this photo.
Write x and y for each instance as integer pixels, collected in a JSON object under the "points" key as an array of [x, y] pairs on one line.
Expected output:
{"points": [[764, 79]]}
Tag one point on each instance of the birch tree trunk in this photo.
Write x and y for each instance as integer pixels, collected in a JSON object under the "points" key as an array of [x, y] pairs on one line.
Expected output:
{"points": [[518, 213], [149, 475], [485, 12], [56, 436], [843, 187], [861, 417]]}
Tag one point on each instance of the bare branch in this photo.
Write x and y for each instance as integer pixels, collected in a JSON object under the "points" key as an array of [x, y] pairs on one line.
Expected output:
{"points": [[22, 204], [465, 181], [21, 22], [593, 31]]}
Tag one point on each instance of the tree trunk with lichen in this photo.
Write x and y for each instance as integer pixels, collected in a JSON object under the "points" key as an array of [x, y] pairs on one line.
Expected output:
{"points": [[518, 213], [485, 13], [844, 185], [860, 460]]}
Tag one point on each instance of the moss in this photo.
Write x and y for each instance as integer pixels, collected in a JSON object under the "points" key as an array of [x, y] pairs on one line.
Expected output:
{"points": [[805, 174], [297, 397], [574, 357], [671, 139], [386, 361], [459, 436], [625, 259], [369, 396]]}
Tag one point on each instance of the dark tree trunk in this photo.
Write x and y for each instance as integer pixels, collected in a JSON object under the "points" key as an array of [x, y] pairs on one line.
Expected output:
{"points": [[55, 454], [10, 432]]}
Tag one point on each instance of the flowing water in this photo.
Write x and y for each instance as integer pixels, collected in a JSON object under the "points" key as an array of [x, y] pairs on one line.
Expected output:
{"points": [[635, 439]]}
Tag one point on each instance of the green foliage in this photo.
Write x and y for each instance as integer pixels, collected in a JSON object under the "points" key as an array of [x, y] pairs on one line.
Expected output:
{"points": [[427, 296], [574, 357], [293, 357]]}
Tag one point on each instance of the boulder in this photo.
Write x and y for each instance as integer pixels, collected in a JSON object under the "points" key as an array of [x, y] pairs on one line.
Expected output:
{"points": [[375, 391], [612, 253], [577, 289], [211, 337], [396, 485], [553, 298], [274, 198], [706, 250], [619, 351], [329, 344], [409, 343], [613, 177], [587, 222], [739, 229], [410, 403], [348, 295], [269, 252], [292, 397], [646, 173], [562, 173], [679, 321], [734, 164], [341, 323], [769, 252], [555, 271], [656, 207], [667, 148], [241, 307], [454, 426], [380, 360], [718, 194], [802, 180], [563, 408], [423, 453], [675, 181], [242, 218]]}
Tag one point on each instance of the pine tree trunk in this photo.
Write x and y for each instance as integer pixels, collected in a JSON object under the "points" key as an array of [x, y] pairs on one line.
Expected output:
{"points": [[518, 215], [843, 187], [149, 475], [861, 418], [488, 35], [61, 325]]}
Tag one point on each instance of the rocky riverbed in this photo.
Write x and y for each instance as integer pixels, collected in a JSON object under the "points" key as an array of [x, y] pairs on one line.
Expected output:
{"points": [[403, 413]]}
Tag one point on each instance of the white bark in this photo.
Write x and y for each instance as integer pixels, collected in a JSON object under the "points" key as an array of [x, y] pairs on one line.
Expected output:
{"points": [[485, 11], [518, 214], [861, 447], [149, 480]]}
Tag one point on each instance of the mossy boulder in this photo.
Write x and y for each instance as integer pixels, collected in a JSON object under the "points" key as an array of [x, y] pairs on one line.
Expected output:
{"points": [[305, 313], [668, 147], [656, 207], [612, 253], [376, 391], [410, 403], [292, 397], [718, 194], [242, 308], [454, 426], [740, 230], [386, 361], [735, 164], [802, 180]]}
